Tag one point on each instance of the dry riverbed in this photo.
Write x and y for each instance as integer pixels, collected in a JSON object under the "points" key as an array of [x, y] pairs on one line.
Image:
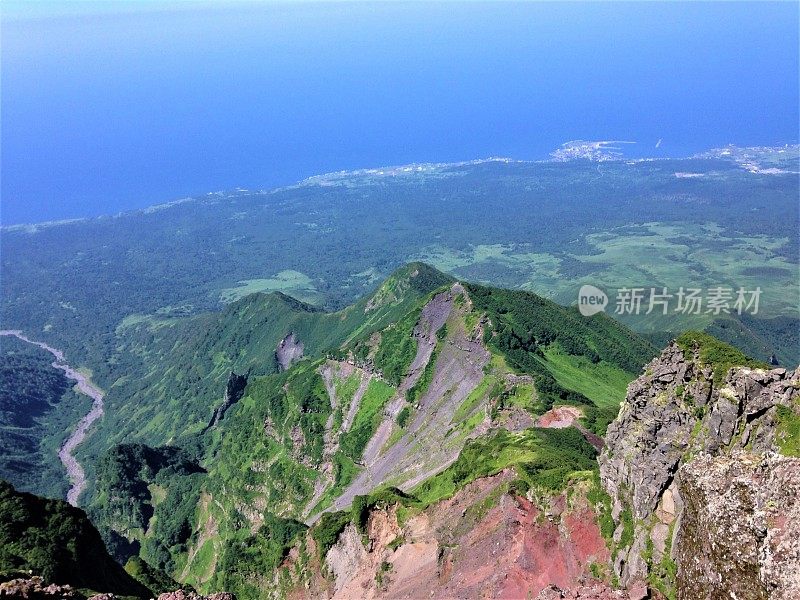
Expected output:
{"points": [[75, 471]]}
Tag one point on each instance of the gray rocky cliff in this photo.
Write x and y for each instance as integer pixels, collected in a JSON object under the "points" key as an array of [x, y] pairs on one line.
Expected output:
{"points": [[740, 527], [675, 419], [289, 351]]}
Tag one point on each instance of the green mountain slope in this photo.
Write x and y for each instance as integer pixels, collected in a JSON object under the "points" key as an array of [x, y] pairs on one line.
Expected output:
{"points": [[291, 498], [390, 392], [178, 367], [125, 296], [56, 541]]}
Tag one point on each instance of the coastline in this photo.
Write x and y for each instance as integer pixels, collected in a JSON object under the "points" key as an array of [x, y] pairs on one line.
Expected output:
{"points": [[597, 151]]}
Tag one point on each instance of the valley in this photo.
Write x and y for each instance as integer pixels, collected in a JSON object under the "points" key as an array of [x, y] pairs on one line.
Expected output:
{"points": [[321, 410], [83, 384]]}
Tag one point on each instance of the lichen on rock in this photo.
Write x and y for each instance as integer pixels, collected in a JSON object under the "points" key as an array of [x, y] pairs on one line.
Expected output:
{"points": [[681, 412]]}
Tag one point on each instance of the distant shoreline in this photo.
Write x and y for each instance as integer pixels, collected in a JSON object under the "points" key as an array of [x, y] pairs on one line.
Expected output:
{"points": [[572, 151]]}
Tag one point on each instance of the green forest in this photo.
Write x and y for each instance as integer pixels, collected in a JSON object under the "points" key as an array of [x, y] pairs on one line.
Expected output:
{"points": [[37, 409]]}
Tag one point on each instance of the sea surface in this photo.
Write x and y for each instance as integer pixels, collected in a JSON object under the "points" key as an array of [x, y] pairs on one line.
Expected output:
{"points": [[111, 107]]}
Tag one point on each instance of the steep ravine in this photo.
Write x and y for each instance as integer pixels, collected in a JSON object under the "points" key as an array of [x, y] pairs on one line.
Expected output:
{"points": [[703, 502], [458, 370], [75, 471]]}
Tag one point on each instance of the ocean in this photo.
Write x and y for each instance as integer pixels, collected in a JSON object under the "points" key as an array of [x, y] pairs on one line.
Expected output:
{"points": [[112, 107]]}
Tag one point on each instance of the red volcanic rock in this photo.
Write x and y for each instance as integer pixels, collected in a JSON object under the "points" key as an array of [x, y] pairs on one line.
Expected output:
{"points": [[598, 591], [559, 417], [512, 548]]}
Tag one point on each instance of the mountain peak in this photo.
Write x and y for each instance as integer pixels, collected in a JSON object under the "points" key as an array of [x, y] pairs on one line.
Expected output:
{"points": [[411, 281], [421, 276]]}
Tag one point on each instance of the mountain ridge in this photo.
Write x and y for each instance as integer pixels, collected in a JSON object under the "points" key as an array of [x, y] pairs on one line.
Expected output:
{"points": [[522, 509], [418, 378]]}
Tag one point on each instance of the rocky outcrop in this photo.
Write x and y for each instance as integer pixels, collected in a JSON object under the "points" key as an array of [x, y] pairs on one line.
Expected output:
{"points": [[234, 390], [483, 542], [599, 591], [672, 415], [189, 595], [289, 351], [740, 527], [35, 588]]}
